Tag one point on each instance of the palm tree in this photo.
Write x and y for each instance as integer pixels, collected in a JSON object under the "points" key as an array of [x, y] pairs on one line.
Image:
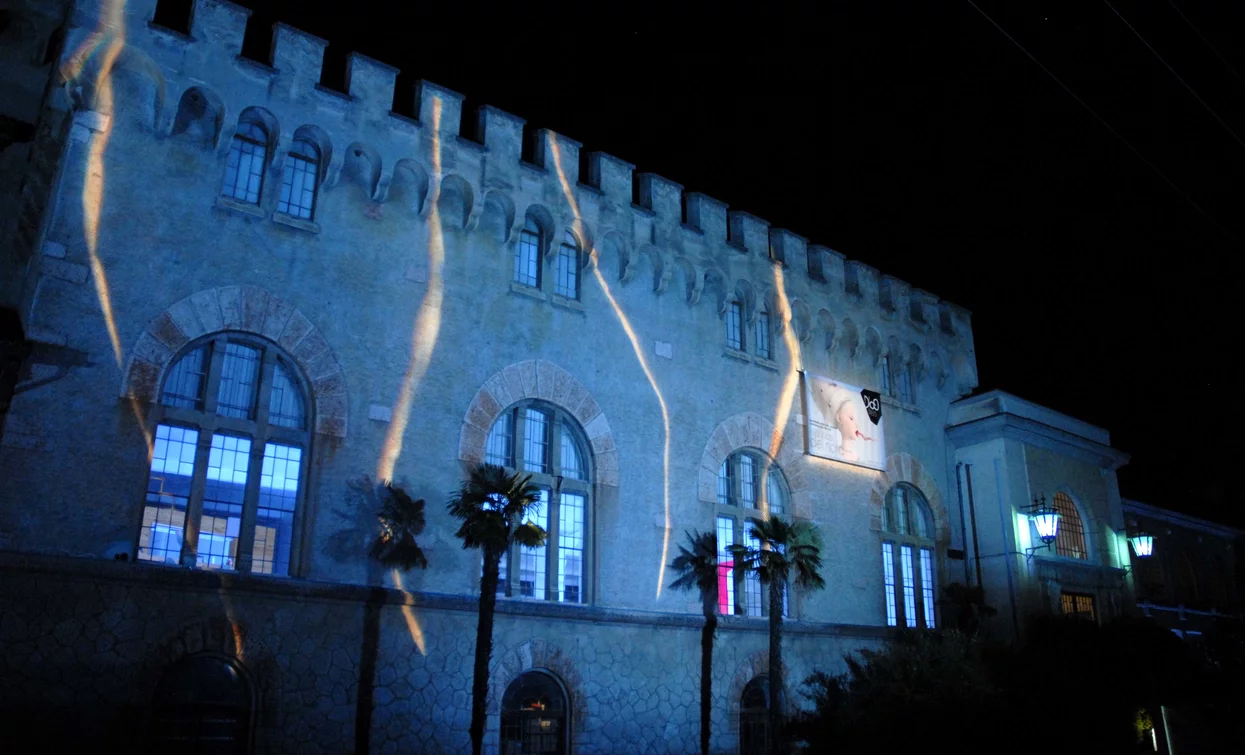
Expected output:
{"points": [[493, 507], [784, 547], [697, 569]]}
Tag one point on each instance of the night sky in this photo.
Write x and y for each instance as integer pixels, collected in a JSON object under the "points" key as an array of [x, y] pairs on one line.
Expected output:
{"points": [[917, 138]]}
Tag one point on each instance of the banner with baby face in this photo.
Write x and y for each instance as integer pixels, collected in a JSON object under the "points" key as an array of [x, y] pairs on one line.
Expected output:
{"points": [[841, 425]]}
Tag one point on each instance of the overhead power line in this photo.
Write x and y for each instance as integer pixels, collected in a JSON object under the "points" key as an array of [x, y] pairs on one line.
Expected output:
{"points": [[1202, 36]]}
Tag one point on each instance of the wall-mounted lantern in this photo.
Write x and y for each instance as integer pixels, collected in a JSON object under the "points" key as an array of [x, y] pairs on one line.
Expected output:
{"points": [[1046, 520], [1143, 544]]}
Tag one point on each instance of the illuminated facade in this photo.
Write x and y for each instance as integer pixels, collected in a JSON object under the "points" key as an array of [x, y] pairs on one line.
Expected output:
{"points": [[247, 291]]}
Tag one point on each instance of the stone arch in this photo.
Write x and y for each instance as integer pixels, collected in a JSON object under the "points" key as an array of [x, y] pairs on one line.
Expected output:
{"points": [[661, 276], [537, 654], [246, 309], [361, 166], [902, 467], [825, 326], [455, 200], [582, 234], [873, 347], [938, 368], [538, 379], [136, 86], [497, 217], [749, 668], [324, 144], [691, 282], [916, 362], [746, 296], [408, 187], [616, 257], [751, 430], [200, 116], [225, 638], [544, 221], [715, 285], [801, 320]]}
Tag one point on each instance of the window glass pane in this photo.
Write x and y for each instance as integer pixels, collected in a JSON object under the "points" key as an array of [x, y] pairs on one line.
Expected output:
{"points": [[239, 376], [901, 511], [298, 187], [223, 495], [909, 586], [285, 403], [572, 465], [168, 491], [762, 335], [752, 580], [919, 513], [773, 492], [570, 547], [274, 521], [245, 167], [724, 484], [532, 560], [927, 586], [886, 515], [734, 326], [536, 441], [747, 481], [184, 385], [567, 279], [888, 579], [527, 258], [886, 375], [726, 565], [500, 447], [905, 383]]}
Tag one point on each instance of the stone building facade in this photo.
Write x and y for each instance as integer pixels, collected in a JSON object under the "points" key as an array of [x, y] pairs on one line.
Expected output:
{"points": [[245, 292]]}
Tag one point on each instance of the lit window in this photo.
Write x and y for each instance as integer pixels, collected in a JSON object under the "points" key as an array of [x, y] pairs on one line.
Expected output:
{"points": [[909, 553], [762, 335], [527, 255], [520, 439], [1070, 537], [248, 156], [568, 268], [299, 179], [752, 580], [1077, 604], [726, 565], [204, 505], [734, 326], [741, 478]]}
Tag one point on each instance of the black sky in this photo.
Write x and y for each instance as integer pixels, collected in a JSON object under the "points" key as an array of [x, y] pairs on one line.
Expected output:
{"points": [[916, 137]]}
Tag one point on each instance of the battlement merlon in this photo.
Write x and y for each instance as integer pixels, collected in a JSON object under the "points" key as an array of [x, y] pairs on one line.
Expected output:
{"points": [[791, 249], [371, 83], [297, 56], [440, 109], [825, 264], [861, 279], [892, 293], [219, 23], [662, 196], [922, 307], [558, 153], [748, 231], [501, 133], [612, 176], [707, 215]]}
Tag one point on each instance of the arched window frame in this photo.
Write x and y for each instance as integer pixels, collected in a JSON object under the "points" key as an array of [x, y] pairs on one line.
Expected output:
{"points": [[169, 712], [735, 322], [529, 253], [754, 718], [749, 482], [513, 715], [763, 335], [909, 559], [248, 161], [300, 179], [260, 429], [509, 444], [1072, 538], [566, 267]]}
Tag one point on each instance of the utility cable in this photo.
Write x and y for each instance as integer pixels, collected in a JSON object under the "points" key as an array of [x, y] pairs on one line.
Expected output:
{"points": [[1179, 78], [1202, 36], [1188, 197]]}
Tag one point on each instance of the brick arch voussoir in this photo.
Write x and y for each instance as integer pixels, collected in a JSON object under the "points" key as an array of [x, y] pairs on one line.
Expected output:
{"points": [[748, 669], [246, 309], [546, 381], [903, 467], [536, 654], [748, 430]]}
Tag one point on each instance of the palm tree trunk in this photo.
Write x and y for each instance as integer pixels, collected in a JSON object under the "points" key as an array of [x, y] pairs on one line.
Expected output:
{"points": [[706, 677], [484, 647], [775, 667], [369, 654]]}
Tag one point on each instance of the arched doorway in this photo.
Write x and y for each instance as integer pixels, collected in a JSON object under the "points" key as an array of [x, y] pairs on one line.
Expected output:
{"points": [[534, 716], [754, 717], [202, 705]]}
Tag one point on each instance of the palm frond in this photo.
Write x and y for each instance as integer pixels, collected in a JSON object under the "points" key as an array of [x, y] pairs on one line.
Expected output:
{"points": [[491, 505], [697, 569], [400, 519]]}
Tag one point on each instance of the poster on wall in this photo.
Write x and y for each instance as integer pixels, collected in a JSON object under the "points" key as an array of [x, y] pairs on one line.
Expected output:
{"points": [[844, 422]]}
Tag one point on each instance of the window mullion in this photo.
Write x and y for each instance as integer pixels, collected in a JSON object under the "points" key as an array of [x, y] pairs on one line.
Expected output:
{"points": [[264, 391], [194, 507], [551, 544], [250, 507], [520, 438], [211, 387]]}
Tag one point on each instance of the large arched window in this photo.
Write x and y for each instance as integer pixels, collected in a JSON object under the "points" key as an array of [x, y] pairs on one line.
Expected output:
{"points": [[749, 482], [754, 717], [248, 157], [534, 716], [300, 179], [228, 459], [543, 441], [567, 268], [203, 703], [1070, 538], [527, 254], [908, 558]]}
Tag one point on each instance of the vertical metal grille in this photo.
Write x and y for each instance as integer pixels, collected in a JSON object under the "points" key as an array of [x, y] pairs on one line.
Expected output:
{"points": [[168, 491], [278, 496], [298, 180], [532, 560], [570, 547], [228, 461], [244, 172], [909, 585], [239, 378], [734, 326], [726, 565], [927, 587], [184, 386], [762, 335], [568, 269], [500, 448], [1070, 539], [536, 441], [527, 257], [888, 578]]}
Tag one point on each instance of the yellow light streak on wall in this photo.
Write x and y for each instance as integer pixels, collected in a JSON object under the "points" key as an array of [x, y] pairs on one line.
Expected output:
{"points": [[408, 613], [639, 354], [427, 324], [786, 398]]}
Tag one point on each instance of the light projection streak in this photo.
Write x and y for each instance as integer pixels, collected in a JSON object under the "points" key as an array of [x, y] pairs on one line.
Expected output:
{"points": [[782, 412], [412, 624], [427, 321], [639, 355]]}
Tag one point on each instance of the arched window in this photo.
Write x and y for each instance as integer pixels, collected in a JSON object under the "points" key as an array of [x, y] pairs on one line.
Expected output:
{"points": [[747, 479], [567, 284], [203, 703], [248, 156], [735, 325], [299, 180], [908, 558], [1070, 538], [229, 459], [754, 717], [545, 442], [527, 254], [763, 333], [534, 716], [884, 372]]}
